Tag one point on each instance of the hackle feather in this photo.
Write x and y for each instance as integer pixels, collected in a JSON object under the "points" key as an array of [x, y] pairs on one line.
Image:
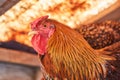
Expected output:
{"points": [[72, 56]]}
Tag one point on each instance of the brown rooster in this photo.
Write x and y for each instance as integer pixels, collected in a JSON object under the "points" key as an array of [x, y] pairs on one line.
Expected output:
{"points": [[65, 54]]}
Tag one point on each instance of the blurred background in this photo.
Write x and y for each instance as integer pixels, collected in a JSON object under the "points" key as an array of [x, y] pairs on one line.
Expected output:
{"points": [[18, 60]]}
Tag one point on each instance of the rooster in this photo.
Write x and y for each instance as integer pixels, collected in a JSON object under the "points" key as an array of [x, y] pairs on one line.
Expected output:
{"points": [[65, 54]]}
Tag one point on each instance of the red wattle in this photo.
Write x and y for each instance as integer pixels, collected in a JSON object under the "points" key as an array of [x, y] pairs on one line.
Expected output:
{"points": [[39, 43]]}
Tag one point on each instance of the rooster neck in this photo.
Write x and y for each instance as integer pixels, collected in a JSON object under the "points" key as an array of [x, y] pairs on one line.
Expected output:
{"points": [[69, 51]]}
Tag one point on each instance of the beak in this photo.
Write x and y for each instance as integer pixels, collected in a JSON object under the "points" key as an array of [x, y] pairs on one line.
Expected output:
{"points": [[32, 33]]}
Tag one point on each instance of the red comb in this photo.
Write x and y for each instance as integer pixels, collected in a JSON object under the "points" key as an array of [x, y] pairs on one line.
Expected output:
{"points": [[34, 23]]}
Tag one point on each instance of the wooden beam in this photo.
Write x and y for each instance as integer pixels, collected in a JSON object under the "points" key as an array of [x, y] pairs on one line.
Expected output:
{"points": [[6, 5], [97, 18], [114, 15], [19, 57]]}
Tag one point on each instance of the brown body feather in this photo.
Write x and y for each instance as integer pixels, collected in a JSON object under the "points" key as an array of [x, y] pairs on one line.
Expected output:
{"points": [[70, 56], [100, 35], [113, 70]]}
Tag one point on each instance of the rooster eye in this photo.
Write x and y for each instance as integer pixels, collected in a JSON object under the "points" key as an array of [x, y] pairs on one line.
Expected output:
{"points": [[45, 26]]}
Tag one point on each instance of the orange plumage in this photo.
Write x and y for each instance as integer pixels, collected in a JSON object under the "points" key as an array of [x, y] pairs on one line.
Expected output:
{"points": [[66, 54]]}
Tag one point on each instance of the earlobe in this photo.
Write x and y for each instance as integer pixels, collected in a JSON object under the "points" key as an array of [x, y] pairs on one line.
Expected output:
{"points": [[51, 32], [52, 26]]}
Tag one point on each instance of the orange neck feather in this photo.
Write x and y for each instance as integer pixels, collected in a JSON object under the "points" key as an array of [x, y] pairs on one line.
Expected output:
{"points": [[67, 47]]}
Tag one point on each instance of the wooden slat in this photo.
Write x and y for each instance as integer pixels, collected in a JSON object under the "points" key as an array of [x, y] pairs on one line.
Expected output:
{"points": [[6, 5], [17, 72], [107, 12], [114, 15], [18, 57]]}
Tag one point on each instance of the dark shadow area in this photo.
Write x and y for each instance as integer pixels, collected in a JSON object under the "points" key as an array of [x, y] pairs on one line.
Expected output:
{"points": [[17, 46]]}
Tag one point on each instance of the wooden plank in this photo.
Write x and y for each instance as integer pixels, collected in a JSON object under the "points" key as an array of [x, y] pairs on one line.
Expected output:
{"points": [[107, 11], [114, 15], [6, 5], [18, 57], [16, 72]]}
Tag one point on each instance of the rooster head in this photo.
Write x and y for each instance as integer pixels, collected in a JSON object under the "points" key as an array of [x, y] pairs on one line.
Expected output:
{"points": [[42, 29]]}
